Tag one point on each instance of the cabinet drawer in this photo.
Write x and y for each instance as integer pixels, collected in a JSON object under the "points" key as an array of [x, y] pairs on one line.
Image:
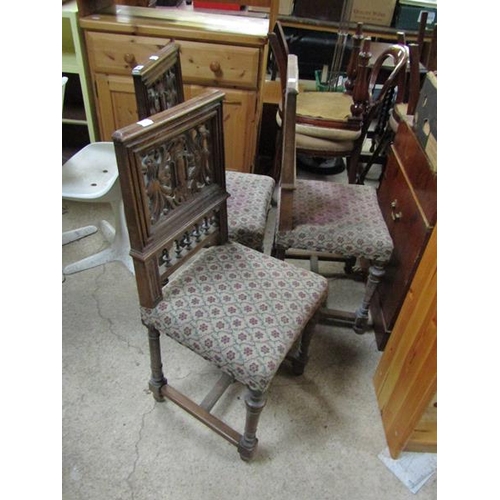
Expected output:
{"points": [[422, 178], [220, 65], [202, 63], [119, 54], [409, 231]]}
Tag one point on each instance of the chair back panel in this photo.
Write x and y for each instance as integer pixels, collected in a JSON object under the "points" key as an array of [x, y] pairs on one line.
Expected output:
{"points": [[399, 54], [172, 177], [374, 87], [158, 82]]}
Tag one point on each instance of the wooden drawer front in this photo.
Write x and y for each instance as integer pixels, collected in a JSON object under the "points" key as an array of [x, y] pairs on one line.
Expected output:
{"points": [[119, 54], [416, 165], [219, 65], [202, 63], [409, 231]]}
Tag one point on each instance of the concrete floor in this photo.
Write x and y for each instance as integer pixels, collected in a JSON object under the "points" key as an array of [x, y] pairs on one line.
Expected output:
{"points": [[319, 435]]}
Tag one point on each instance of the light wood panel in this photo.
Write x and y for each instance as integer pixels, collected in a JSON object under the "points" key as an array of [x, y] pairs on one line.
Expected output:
{"points": [[406, 377]]}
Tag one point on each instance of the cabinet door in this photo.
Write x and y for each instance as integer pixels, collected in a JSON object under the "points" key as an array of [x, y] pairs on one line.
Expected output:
{"points": [[116, 103], [117, 108], [409, 231], [239, 107]]}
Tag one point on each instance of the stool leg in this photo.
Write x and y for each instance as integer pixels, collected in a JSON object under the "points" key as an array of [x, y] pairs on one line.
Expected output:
{"points": [[77, 234], [254, 401], [118, 250], [157, 380], [375, 274]]}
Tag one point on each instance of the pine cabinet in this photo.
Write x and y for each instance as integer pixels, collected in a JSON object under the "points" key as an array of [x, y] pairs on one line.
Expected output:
{"points": [[231, 58]]}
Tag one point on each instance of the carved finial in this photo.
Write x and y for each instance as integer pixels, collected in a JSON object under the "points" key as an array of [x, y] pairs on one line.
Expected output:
{"points": [[360, 92]]}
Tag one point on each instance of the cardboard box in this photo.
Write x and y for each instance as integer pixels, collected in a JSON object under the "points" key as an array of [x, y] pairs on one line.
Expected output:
{"points": [[286, 7], [378, 12]]}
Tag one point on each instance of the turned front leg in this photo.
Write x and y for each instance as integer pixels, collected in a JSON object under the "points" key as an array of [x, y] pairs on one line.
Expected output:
{"points": [[300, 360], [375, 275], [254, 401], [157, 380]]}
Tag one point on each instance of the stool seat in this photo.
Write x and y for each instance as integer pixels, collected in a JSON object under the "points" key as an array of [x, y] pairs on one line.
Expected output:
{"points": [[91, 174], [239, 309]]}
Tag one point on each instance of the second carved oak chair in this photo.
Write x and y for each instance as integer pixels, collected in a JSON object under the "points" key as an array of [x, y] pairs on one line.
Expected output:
{"points": [[239, 309], [158, 86], [341, 221]]}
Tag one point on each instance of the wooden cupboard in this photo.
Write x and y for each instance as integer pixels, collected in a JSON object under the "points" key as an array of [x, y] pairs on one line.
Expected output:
{"points": [[217, 51], [408, 200]]}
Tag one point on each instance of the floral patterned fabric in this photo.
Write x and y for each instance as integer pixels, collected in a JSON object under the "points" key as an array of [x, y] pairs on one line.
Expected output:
{"points": [[338, 218], [248, 207], [239, 309]]}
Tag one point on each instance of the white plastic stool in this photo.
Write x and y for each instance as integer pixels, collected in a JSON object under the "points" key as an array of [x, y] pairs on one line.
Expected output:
{"points": [[91, 176]]}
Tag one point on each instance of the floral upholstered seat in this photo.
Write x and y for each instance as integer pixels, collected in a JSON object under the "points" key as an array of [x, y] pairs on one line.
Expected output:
{"points": [[248, 207], [339, 219], [239, 309]]}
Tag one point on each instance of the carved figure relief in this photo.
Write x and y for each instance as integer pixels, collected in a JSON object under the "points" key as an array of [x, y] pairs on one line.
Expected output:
{"points": [[176, 170]]}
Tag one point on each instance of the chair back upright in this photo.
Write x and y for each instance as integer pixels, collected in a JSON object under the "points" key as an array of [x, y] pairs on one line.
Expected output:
{"points": [[288, 149], [413, 79], [172, 179], [370, 91], [279, 52], [158, 82]]}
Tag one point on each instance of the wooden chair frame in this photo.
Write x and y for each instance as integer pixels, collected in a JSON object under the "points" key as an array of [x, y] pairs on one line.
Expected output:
{"points": [[158, 82], [365, 104], [172, 177], [383, 135], [358, 319]]}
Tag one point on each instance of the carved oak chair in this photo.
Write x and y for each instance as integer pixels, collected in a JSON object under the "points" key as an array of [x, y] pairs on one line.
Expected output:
{"points": [[237, 308], [158, 86], [335, 124], [322, 218]]}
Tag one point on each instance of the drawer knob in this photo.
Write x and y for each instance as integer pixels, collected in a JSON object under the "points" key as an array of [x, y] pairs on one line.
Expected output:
{"points": [[130, 59], [215, 67], [395, 215]]}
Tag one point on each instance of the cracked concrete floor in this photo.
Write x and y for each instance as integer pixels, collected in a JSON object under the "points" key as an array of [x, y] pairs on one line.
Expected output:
{"points": [[319, 435]]}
